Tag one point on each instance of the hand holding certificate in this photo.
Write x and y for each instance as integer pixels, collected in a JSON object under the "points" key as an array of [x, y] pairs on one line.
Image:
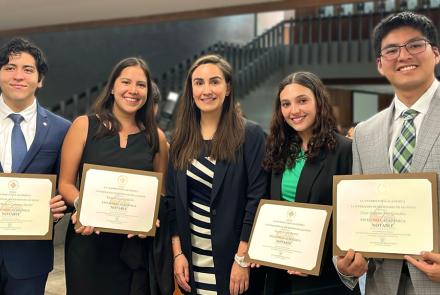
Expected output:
{"points": [[385, 216], [24, 206], [289, 236], [119, 200]]}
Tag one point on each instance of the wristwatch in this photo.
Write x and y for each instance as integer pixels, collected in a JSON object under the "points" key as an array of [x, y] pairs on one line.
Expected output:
{"points": [[240, 261]]}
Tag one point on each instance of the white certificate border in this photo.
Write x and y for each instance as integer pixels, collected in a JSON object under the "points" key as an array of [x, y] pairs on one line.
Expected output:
{"points": [[88, 167], [315, 270], [430, 176]]}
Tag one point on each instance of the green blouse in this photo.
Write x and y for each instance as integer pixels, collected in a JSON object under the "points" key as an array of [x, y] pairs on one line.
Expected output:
{"points": [[290, 179]]}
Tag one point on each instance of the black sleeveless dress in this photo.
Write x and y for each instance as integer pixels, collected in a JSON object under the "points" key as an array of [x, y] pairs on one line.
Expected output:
{"points": [[99, 264]]}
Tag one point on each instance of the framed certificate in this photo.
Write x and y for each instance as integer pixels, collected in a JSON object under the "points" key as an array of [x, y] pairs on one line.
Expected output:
{"points": [[24, 206], [385, 215], [289, 235], [118, 200]]}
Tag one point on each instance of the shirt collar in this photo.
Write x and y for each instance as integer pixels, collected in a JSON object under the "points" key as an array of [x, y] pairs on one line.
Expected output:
{"points": [[28, 113], [421, 105]]}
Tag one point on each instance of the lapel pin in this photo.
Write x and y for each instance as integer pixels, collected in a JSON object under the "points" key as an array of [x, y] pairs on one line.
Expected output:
{"points": [[44, 124]]}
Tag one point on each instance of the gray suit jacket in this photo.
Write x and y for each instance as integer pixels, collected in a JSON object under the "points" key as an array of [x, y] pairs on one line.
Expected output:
{"points": [[370, 156]]}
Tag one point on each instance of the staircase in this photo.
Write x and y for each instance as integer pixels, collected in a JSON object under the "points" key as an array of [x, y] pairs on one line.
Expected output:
{"points": [[334, 47]]}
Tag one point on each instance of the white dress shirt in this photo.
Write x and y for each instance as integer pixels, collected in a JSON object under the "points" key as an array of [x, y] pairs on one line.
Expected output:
{"points": [[28, 127], [421, 106]]}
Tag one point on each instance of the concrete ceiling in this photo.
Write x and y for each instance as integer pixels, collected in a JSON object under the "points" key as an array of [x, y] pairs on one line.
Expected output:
{"points": [[31, 15]]}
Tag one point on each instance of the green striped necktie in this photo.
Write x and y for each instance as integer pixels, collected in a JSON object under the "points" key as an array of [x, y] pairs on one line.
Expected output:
{"points": [[405, 143]]}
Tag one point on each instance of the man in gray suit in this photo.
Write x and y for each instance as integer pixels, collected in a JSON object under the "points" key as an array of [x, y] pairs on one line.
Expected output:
{"points": [[402, 138]]}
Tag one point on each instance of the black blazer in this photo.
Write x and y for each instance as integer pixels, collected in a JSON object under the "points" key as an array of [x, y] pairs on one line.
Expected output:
{"points": [[316, 181], [237, 189], [314, 186]]}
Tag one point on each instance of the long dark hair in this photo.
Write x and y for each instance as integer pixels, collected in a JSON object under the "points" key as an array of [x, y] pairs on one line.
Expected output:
{"points": [[283, 143], [187, 141], [144, 117]]}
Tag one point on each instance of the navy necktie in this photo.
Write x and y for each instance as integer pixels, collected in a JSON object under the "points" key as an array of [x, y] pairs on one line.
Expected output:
{"points": [[18, 143]]}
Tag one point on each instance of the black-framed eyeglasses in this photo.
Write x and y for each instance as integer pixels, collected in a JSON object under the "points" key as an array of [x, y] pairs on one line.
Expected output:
{"points": [[413, 47]]}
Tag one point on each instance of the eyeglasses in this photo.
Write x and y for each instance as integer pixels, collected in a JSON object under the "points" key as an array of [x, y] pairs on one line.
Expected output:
{"points": [[413, 48]]}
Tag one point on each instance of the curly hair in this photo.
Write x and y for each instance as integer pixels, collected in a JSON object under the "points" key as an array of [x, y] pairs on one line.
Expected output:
{"points": [[284, 143]]}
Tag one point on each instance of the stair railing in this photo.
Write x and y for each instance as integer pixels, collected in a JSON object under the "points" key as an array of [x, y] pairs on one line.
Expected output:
{"points": [[289, 42]]}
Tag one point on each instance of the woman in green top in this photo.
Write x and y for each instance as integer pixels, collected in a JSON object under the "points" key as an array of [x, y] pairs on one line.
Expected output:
{"points": [[303, 152]]}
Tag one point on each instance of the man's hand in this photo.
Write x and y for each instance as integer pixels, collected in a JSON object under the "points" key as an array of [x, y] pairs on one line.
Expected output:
{"points": [[57, 207], [430, 264], [352, 264]]}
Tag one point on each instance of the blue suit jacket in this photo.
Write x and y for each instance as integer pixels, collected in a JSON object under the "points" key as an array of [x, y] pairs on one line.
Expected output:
{"points": [[25, 259]]}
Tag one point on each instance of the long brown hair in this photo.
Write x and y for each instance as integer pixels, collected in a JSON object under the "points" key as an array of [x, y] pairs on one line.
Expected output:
{"points": [[144, 117], [187, 141], [283, 143]]}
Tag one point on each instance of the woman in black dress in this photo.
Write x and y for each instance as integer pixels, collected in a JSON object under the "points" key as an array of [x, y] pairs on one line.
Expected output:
{"points": [[121, 132]]}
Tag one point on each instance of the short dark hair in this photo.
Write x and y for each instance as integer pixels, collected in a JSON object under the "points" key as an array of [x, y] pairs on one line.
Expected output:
{"points": [[416, 21], [16, 46]]}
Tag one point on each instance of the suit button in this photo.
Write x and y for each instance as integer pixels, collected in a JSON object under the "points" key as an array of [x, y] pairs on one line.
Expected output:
{"points": [[214, 212]]}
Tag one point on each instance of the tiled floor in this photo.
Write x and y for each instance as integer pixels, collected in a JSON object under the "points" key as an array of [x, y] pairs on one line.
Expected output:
{"points": [[56, 284]]}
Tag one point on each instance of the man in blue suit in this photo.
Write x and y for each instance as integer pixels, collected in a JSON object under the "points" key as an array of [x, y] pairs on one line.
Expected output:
{"points": [[30, 142]]}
